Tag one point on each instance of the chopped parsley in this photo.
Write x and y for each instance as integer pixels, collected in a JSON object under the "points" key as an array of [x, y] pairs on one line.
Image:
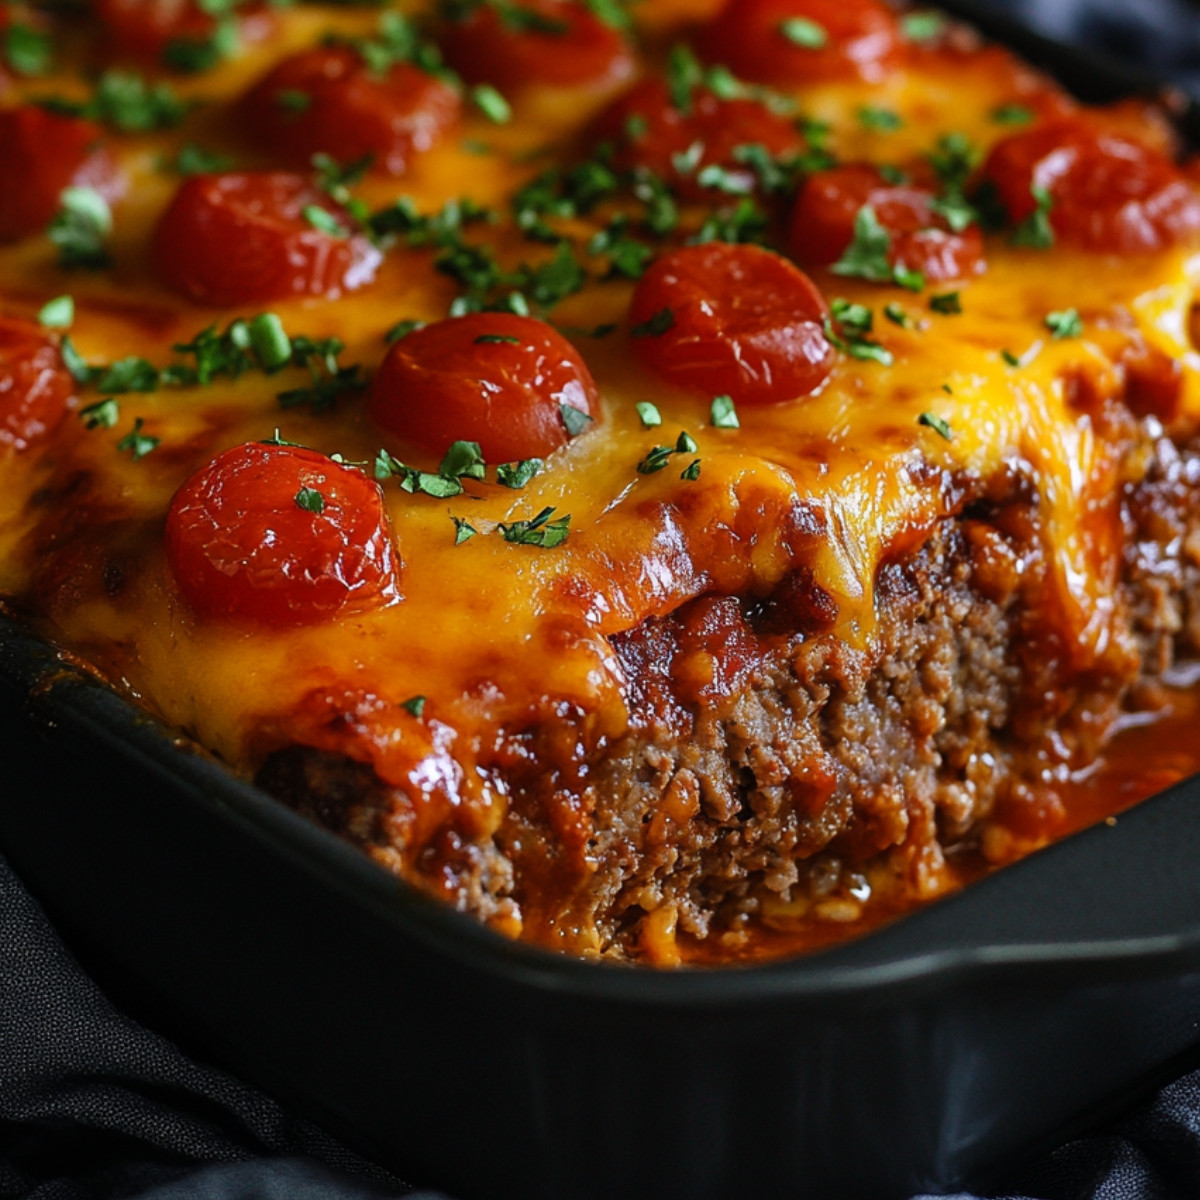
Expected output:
{"points": [[1035, 231], [855, 323], [58, 313], [413, 480], [866, 257], [104, 414], [491, 103], [575, 419], [655, 326], [803, 32], [1065, 324], [659, 456], [324, 221], [1012, 114], [27, 51], [402, 329], [414, 705], [518, 474], [136, 443], [722, 413], [194, 159], [126, 102], [691, 472], [880, 120], [81, 229], [922, 26], [649, 414], [538, 531], [464, 531], [898, 316], [310, 500], [497, 339], [939, 425], [949, 303], [463, 460]]}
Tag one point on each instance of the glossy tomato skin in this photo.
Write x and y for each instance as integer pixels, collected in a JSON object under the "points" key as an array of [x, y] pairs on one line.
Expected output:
{"points": [[646, 129], [1108, 193], [36, 389], [744, 322], [463, 379], [242, 546], [822, 225], [40, 154], [861, 41], [145, 28], [242, 238], [575, 49], [327, 100]]}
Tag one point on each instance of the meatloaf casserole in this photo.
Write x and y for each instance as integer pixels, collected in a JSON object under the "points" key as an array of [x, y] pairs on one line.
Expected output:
{"points": [[679, 482]]}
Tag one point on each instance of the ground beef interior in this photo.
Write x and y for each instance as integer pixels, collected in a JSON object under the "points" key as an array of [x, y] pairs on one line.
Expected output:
{"points": [[771, 768]]}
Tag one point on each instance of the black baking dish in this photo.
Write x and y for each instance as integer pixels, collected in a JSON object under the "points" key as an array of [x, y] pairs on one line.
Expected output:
{"points": [[932, 1054]]}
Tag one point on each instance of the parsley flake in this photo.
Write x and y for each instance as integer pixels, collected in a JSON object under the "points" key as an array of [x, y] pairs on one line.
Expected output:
{"points": [[194, 159], [310, 500], [402, 329], [803, 32], [922, 26], [497, 339], [880, 120], [464, 460], [104, 414], [939, 425], [723, 414], [1035, 231], [898, 316], [136, 443], [948, 303], [518, 474], [491, 103], [691, 472], [575, 419], [324, 221], [414, 705], [657, 325], [539, 531], [81, 228], [58, 313], [649, 414], [1065, 324], [1012, 114], [27, 51], [464, 531]]}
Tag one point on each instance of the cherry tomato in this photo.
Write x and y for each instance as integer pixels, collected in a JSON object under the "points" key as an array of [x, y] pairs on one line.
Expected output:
{"points": [[492, 378], [35, 386], [787, 43], [555, 42], [647, 130], [145, 28], [40, 154], [249, 237], [740, 321], [1107, 192], [328, 100], [922, 240], [282, 536]]}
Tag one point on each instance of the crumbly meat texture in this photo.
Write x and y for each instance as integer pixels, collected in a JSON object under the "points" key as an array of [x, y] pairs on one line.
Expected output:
{"points": [[811, 760]]}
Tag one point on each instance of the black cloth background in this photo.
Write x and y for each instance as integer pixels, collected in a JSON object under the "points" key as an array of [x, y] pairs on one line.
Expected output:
{"points": [[95, 1107]]}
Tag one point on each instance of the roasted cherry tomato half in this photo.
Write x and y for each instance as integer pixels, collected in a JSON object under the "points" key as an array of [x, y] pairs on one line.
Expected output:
{"points": [[282, 536], [921, 238], [251, 237], [493, 378], [1106, 192], [735, 320], [328, 100], [787, 43], [559, 43], [35, 387], [647, 129], [40, 154], [152, 28]]}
